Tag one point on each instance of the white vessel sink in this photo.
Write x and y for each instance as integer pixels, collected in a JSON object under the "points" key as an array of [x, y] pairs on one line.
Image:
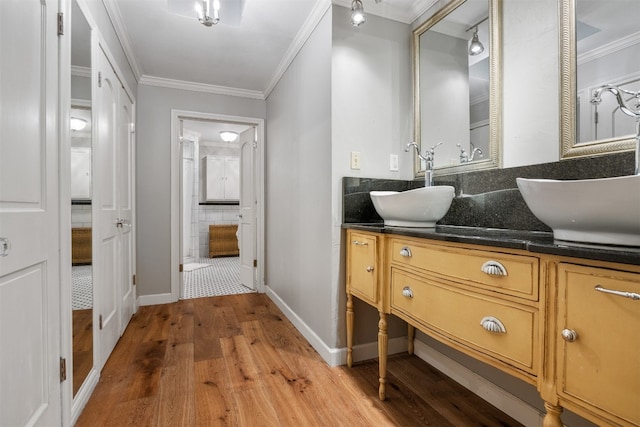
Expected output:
{"points": [[421, 207], [603, 210]]}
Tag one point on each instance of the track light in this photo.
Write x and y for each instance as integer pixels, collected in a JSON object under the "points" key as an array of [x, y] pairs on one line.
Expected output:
{"points": [[475, 47], [357, 13], [203, 12]]}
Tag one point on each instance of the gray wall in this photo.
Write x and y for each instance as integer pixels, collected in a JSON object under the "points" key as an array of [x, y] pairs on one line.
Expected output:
{"points": [[298, 185], [153, 166]]}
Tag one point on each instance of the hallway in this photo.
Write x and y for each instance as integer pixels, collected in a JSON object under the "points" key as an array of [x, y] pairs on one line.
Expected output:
{"points": [[236, 360]]}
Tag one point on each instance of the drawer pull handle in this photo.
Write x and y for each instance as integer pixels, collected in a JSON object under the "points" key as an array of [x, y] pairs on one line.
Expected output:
{"points": [[492, 324], [357, 243], [494, 268], [370, 269], [630, 295], [407, 292], [569, 335], [405, 251]]}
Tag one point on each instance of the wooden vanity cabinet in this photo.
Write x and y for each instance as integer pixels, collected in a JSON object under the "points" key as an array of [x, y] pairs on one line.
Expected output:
{"points": [[569, 326], [364, 277], [479, 301], [598, 343]]}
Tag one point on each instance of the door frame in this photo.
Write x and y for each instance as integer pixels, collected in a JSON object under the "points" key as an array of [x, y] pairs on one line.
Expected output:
{"points": [[176, 116]]}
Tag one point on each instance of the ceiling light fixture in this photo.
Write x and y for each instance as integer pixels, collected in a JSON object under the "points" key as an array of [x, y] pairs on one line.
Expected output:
{"points": [[228, 136], [203, 11], [357, 13], [475, 47], [77, 124]]}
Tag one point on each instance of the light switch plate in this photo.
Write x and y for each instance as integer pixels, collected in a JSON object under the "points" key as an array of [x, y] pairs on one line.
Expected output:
{"points": [[393, 162], [355, 160]]}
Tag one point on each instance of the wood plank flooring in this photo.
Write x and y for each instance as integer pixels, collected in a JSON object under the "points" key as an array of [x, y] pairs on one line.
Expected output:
{"points": [[237, 361]]}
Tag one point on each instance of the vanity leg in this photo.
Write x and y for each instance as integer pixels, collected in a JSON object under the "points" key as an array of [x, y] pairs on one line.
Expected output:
{"points": [[552, 418], [349, 330], [382, 354], [411, 336]]}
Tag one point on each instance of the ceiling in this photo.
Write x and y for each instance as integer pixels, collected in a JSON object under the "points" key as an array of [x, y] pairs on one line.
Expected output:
{"points": [[245, 59]]}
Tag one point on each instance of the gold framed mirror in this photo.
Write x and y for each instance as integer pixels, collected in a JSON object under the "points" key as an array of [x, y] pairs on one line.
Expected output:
{"points": [[598, 43], [457, 92]]}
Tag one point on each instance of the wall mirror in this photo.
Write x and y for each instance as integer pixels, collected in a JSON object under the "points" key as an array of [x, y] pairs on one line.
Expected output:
{"points": [[457, 86], [81, 218], [600, 45]]}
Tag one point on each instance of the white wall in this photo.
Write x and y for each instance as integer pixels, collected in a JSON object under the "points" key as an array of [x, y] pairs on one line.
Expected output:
{"points": [[298, 186], [153, 165]]}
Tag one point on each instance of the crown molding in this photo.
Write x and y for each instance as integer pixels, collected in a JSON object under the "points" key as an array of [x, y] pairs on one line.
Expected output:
{"points": [[609, 48], [301, 38], [387, 9], [116, 20], [200, 87]]}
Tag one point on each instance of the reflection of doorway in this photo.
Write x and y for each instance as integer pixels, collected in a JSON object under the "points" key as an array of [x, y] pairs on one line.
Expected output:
{"points": [[210, 208]]}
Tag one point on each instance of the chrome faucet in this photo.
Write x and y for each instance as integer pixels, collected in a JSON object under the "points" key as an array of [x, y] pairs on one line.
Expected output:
{"points": [[429, 158], [464, 156], [631, 111]]}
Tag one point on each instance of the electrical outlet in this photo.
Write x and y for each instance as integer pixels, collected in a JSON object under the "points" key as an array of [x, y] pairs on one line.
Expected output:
{"points": [[355, 160], [393, 162]]}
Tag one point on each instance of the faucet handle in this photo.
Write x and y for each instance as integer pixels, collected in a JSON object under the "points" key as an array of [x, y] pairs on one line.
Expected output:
{"points": [[437, 145]]}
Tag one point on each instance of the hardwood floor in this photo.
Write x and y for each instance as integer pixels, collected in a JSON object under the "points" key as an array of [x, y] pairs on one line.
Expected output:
{"points": [[236, 360], [82, 321]]}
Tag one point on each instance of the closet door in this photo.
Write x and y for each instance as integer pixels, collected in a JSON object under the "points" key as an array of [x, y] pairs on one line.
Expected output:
{"points": [[125, 199], [105, 208], [29, 215]]}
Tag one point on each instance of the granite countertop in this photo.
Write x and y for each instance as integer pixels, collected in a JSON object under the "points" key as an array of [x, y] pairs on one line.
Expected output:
{"points": [[532, 241]]}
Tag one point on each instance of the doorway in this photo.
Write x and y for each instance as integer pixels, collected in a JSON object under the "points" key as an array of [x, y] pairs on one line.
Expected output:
{"points": [[217, 242]]}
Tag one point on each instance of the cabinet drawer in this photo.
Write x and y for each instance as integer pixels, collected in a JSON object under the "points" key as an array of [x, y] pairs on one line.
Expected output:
{"points": [[457, 314], [362, 271], [602, 363], [520, 272]]}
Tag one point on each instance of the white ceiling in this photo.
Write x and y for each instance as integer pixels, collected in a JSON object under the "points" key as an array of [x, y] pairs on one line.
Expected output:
{"points": [[168, 49]]}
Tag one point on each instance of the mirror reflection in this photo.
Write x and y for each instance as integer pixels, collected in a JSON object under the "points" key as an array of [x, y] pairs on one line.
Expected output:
{"points": [[455, 62], [81, 242], [602, 47]]}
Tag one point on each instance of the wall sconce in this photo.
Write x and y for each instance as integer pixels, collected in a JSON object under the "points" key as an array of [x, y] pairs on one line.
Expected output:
{"points": [[228, 136], [203, 10], [475, 47], [77, 124]]}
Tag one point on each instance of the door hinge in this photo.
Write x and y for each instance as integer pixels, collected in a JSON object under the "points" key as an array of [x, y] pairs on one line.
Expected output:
{"points": [[99, 79], [134, 280], [100, 321], [60, 23], [255, 262], [63, 369], [181, 268]]}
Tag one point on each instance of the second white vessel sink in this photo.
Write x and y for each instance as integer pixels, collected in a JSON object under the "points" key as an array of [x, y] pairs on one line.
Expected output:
{"points": [[421, 207], [605, 210]]}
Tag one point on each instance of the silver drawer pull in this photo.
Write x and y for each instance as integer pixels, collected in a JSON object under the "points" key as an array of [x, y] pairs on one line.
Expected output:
{"points": [[407, 292], [405, 251], [492, 324], [569, 335], [5, 246], [494, 268], [370, 269], [630, 295], [357, 243]]}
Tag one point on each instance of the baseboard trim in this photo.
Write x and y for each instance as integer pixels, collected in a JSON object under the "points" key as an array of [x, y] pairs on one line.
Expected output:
{"points": [[370, 350], [497, 396], [84, 393], [155, 299]]}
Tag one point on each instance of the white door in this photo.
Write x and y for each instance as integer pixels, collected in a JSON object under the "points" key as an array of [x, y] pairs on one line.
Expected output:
{"points": [[247, 226], [29, 215], [124, 195], [105, 208]]}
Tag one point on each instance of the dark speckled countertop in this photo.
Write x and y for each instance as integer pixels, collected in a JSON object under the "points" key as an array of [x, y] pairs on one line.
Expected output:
{"points": [[532, 241]]}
